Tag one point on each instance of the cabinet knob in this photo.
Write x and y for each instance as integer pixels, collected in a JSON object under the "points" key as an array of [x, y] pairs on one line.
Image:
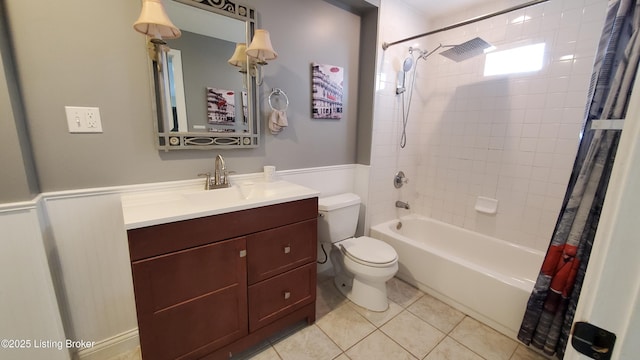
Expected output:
{"points": [[287, 295], [287, 249]]}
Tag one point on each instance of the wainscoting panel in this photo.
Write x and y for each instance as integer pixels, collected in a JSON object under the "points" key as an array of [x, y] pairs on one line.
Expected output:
{"points": [[91, 271], [29, 315]]}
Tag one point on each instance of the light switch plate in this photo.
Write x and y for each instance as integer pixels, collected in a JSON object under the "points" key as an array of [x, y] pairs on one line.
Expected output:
{"points": [[83, 119]]}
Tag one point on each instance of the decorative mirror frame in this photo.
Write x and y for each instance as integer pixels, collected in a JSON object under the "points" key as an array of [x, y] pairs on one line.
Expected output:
{"points": [[168, 140]]}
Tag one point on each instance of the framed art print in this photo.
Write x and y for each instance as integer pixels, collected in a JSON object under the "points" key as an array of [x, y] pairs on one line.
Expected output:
{"points": [[327, 91]]}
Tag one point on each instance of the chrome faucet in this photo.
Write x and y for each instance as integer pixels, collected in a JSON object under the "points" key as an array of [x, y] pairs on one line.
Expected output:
{"points": [[220, 173], [220, 178], [402, 205]]}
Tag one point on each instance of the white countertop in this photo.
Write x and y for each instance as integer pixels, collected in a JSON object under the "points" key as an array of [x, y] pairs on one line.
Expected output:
{"points": [[160, 207]]}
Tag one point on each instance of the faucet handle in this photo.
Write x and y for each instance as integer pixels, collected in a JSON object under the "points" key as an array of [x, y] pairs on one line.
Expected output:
{"points": [[207, 184], [399, 179], [226, 173]]}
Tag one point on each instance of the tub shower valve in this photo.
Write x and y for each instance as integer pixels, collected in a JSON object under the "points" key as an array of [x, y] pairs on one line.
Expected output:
{"points": [[399, 180]]}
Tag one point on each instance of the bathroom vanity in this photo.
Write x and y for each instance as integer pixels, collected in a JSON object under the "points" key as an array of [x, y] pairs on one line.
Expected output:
{"points": [[212, 280]]}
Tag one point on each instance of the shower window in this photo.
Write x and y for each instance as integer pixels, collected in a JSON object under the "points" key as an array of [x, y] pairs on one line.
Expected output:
{"points": [[513, 61]]}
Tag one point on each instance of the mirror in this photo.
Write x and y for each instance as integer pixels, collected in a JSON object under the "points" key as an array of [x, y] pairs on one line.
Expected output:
{"points": [[203, 102]]}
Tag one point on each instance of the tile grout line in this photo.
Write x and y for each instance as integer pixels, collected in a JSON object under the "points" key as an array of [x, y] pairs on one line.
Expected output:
{"points": [[379, 328], [357, 342]]}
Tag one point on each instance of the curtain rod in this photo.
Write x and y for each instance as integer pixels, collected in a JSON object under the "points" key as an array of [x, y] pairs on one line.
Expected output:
{"points": [[466, 22]]}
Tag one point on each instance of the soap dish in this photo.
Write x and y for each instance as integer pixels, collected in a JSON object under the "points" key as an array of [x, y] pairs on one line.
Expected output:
{"points": [[486, 205]]}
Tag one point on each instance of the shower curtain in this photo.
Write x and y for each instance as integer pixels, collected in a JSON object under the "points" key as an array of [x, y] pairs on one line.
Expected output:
{"points": [[551, 306]]}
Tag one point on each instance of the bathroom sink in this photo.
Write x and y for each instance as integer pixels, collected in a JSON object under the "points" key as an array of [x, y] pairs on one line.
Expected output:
{"points": [[220, 196], [153, 208]]}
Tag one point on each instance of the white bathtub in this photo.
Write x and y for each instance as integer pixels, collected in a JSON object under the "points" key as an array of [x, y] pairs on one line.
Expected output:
{"points": [[486, 278]]}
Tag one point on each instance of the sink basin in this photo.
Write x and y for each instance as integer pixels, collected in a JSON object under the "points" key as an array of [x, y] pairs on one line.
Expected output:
{"points": [[140, 210], [220, 196], [241, 192]]}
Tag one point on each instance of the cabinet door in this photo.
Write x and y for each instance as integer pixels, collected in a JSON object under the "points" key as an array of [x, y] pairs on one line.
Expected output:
{"points": [[193, 301], [275, 251], [280, 295]]}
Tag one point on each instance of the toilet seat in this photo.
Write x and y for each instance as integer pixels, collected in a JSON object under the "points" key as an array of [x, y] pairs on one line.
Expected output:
{"points": [[369, 251]]}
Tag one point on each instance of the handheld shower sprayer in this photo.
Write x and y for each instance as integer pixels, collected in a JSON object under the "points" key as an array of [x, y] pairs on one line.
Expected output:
{"points": [[460, 52], [407, 64]]}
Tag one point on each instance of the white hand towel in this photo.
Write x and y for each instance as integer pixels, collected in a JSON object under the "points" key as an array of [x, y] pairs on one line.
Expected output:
{"points": [[277, 121]]}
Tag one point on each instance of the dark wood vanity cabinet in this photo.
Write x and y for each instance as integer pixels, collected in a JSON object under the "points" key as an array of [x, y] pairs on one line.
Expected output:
{"points": [[211, 287]]}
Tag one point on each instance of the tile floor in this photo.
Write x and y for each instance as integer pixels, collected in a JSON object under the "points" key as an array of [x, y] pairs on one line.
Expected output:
{"points": [[416, 326]]}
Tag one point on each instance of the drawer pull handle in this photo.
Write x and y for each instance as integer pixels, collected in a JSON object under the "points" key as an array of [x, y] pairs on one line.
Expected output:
{"points": [[287, 295], [287, 249]]}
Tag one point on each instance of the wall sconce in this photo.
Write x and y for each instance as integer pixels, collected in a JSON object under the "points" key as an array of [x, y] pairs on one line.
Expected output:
{"points": [[155, 23], [260, 50], [239, 60], [239, 57]]}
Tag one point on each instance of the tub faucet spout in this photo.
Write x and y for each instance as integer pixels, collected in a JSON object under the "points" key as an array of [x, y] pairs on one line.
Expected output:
{"points": [[402, 205]]}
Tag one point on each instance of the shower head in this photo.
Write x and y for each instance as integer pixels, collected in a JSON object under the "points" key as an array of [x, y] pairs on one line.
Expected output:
{"points": [[466, 50]]}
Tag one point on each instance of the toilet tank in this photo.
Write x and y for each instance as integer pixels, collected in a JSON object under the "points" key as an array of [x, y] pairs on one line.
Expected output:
{"points": [[338, 217]]}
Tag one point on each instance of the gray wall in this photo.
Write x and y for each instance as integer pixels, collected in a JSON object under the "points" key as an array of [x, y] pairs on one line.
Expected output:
{"points": [[85, 53], [17, 180], [367, 80]]}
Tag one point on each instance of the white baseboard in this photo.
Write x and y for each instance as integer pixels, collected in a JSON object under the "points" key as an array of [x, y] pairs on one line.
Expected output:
{"points": [[111, 347]]}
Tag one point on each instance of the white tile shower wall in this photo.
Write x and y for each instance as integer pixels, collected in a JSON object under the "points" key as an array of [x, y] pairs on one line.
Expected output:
{"points": [[387, 157], [510, 137], [513, 137]]}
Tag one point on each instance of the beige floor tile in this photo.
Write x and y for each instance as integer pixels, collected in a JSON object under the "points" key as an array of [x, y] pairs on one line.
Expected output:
{"points": [[483, 340], [402, 293], [309, 343], [378, 346], [131, 355], [413, 334], [449, 349], [525, 353], [327, 298], [436, 313], [378, 318], [342, 357], [345, 326]]}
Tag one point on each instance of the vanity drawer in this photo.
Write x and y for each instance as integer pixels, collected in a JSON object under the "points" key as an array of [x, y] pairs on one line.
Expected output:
{"points": [[275, 251], [280, 295], [166, 238]]}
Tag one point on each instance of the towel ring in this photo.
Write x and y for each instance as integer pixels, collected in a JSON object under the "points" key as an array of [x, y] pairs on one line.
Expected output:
{"points": [[276, 92]]}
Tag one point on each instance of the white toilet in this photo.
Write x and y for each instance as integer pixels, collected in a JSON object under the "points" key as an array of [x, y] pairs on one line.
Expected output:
{"points": [[362, 265]]}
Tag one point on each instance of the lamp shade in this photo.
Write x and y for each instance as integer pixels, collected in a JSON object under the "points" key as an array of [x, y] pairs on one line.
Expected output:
{"points": [[155, 22], [239, 57], [261, 48]]}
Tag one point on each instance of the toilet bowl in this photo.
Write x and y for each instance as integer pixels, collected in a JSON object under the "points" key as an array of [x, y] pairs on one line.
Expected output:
{"points": [[362, 265]]}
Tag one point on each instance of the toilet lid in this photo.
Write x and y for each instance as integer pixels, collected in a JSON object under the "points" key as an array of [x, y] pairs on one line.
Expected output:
{"points": [[369, 250]]}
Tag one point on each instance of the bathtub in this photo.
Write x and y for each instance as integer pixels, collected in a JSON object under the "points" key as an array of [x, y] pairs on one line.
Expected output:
{"points": [[486, 278]]}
